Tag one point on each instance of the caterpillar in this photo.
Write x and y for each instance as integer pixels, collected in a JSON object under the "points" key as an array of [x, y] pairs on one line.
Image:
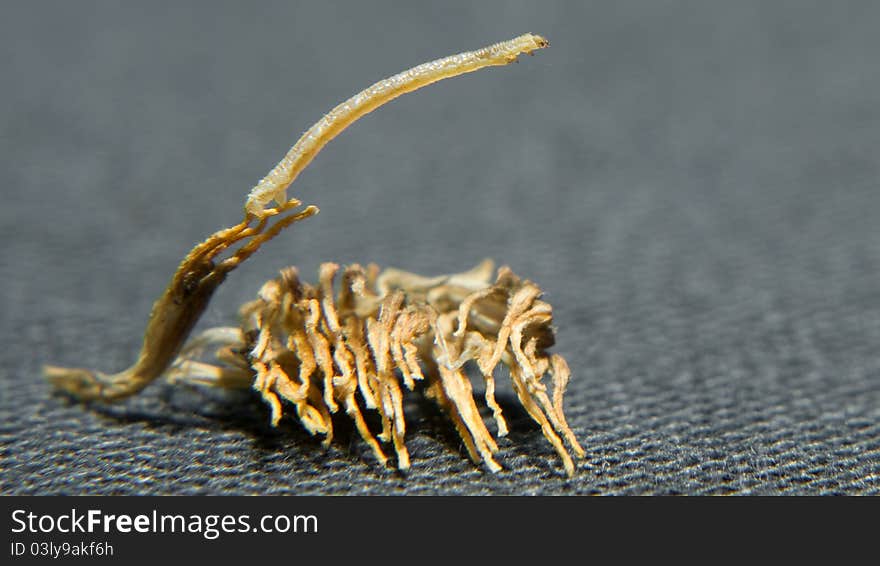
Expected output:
{"points": [[356, 344], [275, 183]]}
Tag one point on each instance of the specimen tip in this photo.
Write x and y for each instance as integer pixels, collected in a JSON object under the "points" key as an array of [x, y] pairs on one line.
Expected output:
{"points": [[540, 41]]}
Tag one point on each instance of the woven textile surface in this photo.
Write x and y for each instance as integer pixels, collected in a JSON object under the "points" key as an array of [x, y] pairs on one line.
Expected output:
{"points": [[695, 186]]}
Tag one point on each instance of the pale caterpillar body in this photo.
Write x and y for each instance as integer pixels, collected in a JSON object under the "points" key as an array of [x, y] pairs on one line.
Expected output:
{"points": [[355, 346], [274, 185]]}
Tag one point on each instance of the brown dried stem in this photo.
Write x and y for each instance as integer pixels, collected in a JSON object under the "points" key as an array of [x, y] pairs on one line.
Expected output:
{"points": [[179, 308]]}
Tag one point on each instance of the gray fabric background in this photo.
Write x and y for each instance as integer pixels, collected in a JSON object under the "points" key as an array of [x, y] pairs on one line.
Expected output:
{"points": [[695, 186]]}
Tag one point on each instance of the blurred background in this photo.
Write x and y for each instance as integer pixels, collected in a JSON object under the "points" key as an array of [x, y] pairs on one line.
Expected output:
{"points": [[693, 184]]}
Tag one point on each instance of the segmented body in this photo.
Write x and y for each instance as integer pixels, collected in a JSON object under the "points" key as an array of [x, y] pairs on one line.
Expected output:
{"points": [[274, 185], [318, 350]]}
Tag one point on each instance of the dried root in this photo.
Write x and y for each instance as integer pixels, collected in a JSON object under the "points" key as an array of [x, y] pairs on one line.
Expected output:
{"points": [[319, 350]]}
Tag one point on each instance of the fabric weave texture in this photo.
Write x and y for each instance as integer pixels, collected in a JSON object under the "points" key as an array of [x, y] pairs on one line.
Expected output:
{"points": [[695, 186]]}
